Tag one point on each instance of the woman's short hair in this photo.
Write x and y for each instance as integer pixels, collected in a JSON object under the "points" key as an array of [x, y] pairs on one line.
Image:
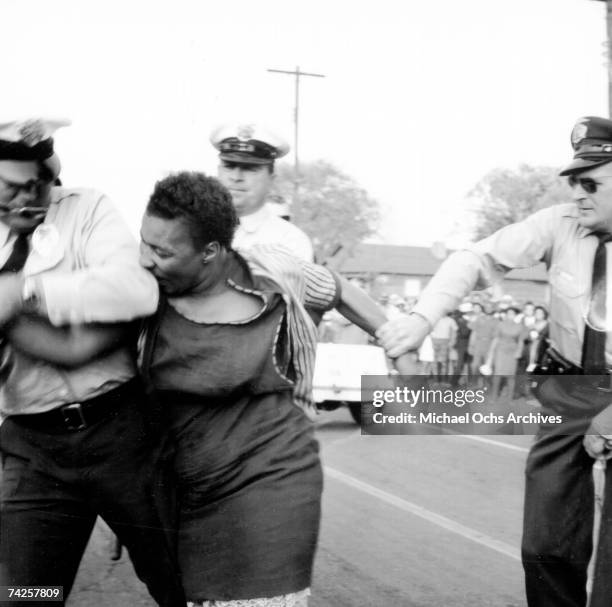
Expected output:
{"points": [[201, 201]]}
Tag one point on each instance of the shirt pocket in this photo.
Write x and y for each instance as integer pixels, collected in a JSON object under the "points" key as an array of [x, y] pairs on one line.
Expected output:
{"points": [[567, 283]]}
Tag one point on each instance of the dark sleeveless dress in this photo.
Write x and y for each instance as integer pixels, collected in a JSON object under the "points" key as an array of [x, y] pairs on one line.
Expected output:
{"points": [[247, 464]]}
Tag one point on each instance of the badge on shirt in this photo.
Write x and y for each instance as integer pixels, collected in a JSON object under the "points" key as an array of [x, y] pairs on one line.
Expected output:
{"points": [[47, 249]]}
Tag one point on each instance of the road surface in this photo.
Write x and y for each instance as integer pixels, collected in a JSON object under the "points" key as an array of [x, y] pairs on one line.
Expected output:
{"points": [[408, 521]]}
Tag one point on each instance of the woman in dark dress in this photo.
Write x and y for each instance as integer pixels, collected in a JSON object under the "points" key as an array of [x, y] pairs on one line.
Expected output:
{"points": [[220, 355], [230, 354]]}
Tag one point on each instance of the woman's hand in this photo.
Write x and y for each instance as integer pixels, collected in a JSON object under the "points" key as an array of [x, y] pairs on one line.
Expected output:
{"points": [[407, 364]]}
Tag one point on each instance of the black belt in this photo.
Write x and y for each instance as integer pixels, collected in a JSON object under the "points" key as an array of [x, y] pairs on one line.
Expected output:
{"points": [[73, 417]]}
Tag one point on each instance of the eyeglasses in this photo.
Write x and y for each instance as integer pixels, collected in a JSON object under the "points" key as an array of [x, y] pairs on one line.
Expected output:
{"points": [[13, 188], [25, 212], [587, 184]]}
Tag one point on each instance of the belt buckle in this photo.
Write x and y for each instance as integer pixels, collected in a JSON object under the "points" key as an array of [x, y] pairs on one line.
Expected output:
{"points": [[73, 416]]}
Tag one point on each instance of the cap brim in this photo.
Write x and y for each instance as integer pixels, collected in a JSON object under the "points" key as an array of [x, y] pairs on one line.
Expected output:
{"points": [[244, 158], [582, 164]]}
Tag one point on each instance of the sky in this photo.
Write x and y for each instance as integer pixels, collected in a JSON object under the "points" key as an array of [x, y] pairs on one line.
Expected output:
{"points": [[419, 101]]}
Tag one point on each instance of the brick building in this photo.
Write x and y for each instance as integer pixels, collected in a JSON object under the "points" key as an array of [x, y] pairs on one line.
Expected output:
{"points": [[405, 270]]}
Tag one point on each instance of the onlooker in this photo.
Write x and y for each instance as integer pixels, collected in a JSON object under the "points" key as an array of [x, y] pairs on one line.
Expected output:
{"points": [[443, 337], [482, 328], [462, 356], [527, 319], [538, 332], [505, 351]]}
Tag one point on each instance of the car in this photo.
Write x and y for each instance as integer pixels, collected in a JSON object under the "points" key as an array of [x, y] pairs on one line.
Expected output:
{"points": [[338, 371]]}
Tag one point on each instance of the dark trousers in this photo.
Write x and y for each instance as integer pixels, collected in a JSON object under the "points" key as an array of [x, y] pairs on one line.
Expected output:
{"points": [[559, 503], [55, 483]]}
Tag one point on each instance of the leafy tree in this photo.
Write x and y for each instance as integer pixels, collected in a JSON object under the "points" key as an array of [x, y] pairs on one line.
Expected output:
{"points": [[505, 196], [331, 208]]}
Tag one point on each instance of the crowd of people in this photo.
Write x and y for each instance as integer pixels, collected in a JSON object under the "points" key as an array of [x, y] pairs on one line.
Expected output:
{"points": [[481, 343]]}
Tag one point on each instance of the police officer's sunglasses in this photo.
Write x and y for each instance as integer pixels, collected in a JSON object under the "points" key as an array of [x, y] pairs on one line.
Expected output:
{"points": [[588, 184], [13, 188]]}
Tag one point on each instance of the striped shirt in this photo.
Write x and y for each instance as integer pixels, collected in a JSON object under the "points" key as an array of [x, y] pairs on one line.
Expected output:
{"points": [[301, 283]]}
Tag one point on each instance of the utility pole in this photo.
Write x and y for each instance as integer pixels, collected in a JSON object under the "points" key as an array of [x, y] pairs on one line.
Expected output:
{"points": [[608, 45], [296, 162]]}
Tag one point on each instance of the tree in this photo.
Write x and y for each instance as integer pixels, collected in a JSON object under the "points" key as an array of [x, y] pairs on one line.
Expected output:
{"points": [[331, 208], [505, 196]]}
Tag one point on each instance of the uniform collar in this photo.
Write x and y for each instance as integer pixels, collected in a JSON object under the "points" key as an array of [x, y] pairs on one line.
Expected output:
{"points": [[581, 232], [251, 223]]}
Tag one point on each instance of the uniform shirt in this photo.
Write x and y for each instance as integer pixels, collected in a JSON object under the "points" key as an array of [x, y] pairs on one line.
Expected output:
{"points": [[551, 235], [87, 261], [265, 228]]}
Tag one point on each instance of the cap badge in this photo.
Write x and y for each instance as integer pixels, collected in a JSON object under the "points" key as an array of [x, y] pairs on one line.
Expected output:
{"points": [[245, 132], [32, 132], [579, 132]]}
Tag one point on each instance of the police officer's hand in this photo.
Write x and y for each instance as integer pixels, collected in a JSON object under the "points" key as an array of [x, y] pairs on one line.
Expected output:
{"points": [[403, 334], [10, 296], [597, 446]]}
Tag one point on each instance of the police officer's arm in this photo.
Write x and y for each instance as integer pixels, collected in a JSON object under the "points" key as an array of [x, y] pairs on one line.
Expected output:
{"points": [[68, 346], [519, 245], [110, 286]]}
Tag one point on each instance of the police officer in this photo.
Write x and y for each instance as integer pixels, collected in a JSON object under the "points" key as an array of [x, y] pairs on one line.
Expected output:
{"points": [[246, 169], [74, 440], [571, 239]]}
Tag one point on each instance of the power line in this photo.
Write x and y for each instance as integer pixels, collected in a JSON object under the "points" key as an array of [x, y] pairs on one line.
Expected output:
{"points": [[296, 163], [608, 53]]}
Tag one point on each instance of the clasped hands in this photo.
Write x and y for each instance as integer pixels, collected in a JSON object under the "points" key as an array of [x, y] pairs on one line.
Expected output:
{"points": [[403, 334], [400, 337]]}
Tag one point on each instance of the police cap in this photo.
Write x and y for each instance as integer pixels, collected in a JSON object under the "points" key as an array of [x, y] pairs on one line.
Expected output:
{"points": [[592, 142], [248, 143], [31, 140]]}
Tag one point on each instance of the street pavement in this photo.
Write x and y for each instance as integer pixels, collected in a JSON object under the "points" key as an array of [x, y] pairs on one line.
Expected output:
{"points": [[408, 521]]}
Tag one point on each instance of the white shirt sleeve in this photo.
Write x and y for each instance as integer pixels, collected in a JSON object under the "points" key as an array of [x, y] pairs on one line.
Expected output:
{"points": [[110, 285]]}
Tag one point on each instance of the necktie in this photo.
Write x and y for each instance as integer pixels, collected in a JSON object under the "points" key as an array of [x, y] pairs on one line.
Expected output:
{"points": [[19, 254], [14, 263], [594, 343]]}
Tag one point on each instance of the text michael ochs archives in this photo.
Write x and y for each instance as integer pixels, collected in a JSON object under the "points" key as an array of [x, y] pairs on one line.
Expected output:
{"points": [[460, 410]]}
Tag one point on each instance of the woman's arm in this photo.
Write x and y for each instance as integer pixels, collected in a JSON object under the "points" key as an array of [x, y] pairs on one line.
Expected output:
{"points": [[358, 307], [69, 346]]}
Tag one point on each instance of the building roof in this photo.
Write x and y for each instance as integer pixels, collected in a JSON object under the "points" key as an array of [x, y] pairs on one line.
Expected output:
{"points": [[412, 261]]}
